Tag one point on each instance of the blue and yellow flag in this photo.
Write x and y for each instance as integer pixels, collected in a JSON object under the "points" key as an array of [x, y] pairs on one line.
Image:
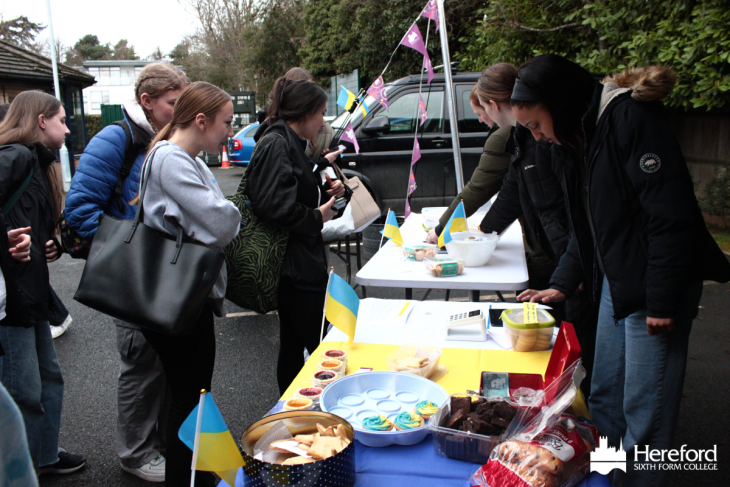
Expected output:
{"points": [[457, 223], [342, 305], [391, 230], [347, 98], [217, 452]]}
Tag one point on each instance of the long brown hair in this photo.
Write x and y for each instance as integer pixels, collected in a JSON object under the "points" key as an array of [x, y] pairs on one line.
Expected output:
{"points": [[20, 126], [295, 100], [496, 83], [157, 78], [198, 97]]}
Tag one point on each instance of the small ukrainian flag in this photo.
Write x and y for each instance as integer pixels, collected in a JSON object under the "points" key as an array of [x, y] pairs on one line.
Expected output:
{"points": [[342, 305], [347, 98], [217, 452], [457, 223], [392, 231]]}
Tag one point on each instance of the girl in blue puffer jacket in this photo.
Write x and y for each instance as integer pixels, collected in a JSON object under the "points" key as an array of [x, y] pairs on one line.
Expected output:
{"points": [[141, 384]]}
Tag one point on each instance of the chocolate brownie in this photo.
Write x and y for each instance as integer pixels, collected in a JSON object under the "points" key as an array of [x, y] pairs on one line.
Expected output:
{"points": [[456, 420], [499, 422], [461, 403], [505, 410]]}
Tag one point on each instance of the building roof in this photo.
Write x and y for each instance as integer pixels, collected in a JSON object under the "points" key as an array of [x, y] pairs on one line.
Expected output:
{"points": [[19, 63], [106, 63]]}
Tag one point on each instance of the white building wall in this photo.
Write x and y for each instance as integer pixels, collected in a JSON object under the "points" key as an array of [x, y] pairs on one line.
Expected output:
{"points": [[114, 86]]}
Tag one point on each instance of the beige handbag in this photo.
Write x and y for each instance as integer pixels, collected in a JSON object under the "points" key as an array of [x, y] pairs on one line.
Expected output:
{"points": [[364, 208]]}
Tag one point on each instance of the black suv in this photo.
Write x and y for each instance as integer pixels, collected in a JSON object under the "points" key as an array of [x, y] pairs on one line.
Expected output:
{"points": [[386, 137]]}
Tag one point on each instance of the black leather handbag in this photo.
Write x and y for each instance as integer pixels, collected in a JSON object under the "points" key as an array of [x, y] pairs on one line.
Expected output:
{"points": [[145, 277]]}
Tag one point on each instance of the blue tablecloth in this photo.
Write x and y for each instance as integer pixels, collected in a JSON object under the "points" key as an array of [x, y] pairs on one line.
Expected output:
{"points": [[395, 466]]}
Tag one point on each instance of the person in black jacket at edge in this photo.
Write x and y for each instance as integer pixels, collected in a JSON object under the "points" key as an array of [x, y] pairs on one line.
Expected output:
{"points": [[531, 191], [626, 181], [34, 128], [284, 191]]}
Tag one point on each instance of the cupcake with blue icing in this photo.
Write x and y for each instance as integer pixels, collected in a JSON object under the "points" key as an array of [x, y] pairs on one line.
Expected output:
{"points": [[426, 409], [408, 421], [377, 423]]}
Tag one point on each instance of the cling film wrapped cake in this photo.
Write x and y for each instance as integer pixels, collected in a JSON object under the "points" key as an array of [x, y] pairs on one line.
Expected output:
{"points": [[444, 266]]}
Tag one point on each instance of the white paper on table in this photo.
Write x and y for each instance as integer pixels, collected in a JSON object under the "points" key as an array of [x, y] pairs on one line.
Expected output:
{"points": [[386, 312]]}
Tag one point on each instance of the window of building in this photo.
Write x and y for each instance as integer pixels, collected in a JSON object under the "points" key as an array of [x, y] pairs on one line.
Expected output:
{"points": [[104, 77], [137, 70], [98, 98], [94, 72], [116, 76]]}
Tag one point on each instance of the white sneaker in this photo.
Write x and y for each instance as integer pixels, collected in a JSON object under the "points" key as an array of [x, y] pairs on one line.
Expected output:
{"points": [[57, 331], [153, 471]]}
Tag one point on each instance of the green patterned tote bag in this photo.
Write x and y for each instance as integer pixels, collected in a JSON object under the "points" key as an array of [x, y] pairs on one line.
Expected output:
{"points": [[254, 258]]}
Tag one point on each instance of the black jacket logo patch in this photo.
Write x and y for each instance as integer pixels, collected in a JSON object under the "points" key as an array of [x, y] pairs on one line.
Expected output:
{"points": [[650, 163]]}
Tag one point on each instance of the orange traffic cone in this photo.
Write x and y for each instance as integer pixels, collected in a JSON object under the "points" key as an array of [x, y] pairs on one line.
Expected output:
{"points": [[225, 164]]}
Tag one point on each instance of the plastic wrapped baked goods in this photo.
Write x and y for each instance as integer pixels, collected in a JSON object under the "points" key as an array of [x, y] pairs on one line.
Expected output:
{"points": [[444, 267], [419, 252], [528, 337]]}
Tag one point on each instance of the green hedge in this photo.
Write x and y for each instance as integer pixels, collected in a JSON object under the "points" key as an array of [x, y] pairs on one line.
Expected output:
{"points": [[93, 125]]}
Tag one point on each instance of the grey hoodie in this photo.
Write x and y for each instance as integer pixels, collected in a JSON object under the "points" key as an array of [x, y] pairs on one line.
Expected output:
{"points": [[182, 192]]}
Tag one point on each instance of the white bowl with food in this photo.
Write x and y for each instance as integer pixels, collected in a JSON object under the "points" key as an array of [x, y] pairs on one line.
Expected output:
{"points": [[474, 249]]}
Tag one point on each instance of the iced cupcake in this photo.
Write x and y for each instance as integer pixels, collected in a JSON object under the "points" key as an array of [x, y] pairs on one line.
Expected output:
{"points": [[298, 404], [323, 378], [377, 423], [426, 409], [408, 421]]}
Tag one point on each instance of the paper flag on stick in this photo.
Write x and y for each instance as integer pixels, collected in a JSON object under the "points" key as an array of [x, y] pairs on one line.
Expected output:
{"points": [[416, 151], [346, 98], [414, 40], [377, 91], [422, 115], [411, 188], [349, 136], [431, 11]]}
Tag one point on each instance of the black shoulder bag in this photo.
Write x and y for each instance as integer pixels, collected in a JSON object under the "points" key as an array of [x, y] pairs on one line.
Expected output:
{"points": [[142, 276]]}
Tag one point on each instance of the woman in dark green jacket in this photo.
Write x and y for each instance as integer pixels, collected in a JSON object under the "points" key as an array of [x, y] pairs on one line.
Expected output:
{"points": [[487, 177]]}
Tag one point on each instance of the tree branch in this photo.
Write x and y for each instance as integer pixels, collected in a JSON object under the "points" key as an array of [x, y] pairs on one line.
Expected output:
{"points": [[554, 29]]}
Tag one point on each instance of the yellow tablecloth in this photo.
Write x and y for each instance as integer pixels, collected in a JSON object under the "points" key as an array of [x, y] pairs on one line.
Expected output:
{"points": [[465, 366]]}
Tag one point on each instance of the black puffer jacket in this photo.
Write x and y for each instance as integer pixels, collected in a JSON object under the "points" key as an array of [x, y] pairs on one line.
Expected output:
{"points": [[34, 209], [648, 230], [16, 309], [531, 188], [283, 191]]}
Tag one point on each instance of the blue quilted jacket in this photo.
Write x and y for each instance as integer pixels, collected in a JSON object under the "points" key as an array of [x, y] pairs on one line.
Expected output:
{"points": [[96, 177]]}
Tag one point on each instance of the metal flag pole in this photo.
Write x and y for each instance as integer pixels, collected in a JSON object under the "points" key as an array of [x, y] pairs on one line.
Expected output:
{"points": [[65, 165], [450, 100], [196, 443]]}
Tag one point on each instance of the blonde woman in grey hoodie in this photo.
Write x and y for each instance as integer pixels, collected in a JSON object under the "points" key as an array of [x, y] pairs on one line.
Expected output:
{"points": [[182, 192], [103, 185]]}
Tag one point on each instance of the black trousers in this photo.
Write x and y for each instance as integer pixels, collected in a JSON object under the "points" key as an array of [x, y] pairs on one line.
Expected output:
{"points": [[188, 362], [300, 322]]}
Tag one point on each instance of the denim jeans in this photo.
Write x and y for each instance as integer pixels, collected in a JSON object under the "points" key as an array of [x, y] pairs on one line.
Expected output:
{"points": [[32, 376], [16, 468], [637, 383]]}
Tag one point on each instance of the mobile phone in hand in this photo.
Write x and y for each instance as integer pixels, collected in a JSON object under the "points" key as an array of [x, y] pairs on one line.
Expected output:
{"points": [[339, 203], [341, 147]]}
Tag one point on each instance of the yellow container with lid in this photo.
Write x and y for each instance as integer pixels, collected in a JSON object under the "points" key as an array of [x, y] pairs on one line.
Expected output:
{"points": [[534, 336]]}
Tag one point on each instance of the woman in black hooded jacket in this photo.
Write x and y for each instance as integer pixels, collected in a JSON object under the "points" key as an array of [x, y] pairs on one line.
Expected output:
{"points": [[640, 243]]}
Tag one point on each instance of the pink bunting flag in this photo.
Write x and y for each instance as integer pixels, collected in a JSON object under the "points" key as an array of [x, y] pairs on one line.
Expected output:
{"points": [[349, 136], [414, 40], [431, 11], [416, 151], [429, 68], [377, 91], [422, 115], [411, 188], [408, 208]]}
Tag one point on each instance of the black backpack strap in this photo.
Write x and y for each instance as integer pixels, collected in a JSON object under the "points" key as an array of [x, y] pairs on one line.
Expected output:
{"points": [[18, 193], [131, 151]]}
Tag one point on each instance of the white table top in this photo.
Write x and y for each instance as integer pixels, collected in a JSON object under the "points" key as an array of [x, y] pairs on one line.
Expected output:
{"points": [[426, 323], [505, 271]]}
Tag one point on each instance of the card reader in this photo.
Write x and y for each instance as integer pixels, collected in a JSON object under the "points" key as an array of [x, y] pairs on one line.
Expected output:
{"points": [[469, 326]]}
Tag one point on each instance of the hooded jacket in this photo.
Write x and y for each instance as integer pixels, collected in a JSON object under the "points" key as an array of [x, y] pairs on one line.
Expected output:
{"points": [[646, 226], [96, 176], [284, 191], [531, 188], [34, 209]]}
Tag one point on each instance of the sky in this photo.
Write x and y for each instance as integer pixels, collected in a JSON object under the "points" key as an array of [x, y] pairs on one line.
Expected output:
{"points": [[146, 24]]}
